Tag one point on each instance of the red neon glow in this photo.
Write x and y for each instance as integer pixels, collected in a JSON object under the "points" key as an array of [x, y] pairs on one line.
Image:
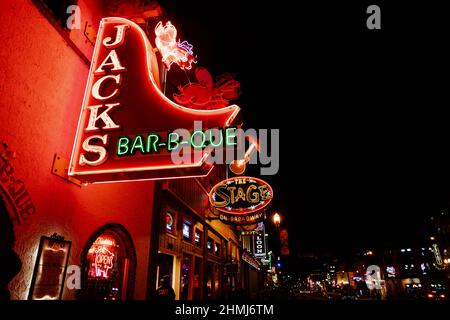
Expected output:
{"points": [[101, 257], [129, 102], [238, 166], [206, 95], [247, 206], [103, 260], [173, 51]]}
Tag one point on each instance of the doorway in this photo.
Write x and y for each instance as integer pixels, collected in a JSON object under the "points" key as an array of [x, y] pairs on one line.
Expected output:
{"points": [[109, 265]]}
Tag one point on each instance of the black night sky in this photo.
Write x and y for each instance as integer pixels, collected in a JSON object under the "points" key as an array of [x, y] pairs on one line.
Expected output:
{"points": [[363, 114]]}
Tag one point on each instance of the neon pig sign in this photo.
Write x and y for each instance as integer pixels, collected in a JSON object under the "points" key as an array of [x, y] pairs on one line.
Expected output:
{"points": [[103, 261], [122, 102], [172, 51], [101, 256]]}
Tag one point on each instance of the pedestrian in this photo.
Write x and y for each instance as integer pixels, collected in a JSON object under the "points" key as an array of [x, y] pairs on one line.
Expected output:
{"points": [[165, 292]]}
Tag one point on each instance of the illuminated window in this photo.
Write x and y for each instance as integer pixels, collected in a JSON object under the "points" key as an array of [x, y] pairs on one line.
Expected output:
{"points": [[198, 238], [216, 248], [170, 222], [209, 244], [187, 230]]}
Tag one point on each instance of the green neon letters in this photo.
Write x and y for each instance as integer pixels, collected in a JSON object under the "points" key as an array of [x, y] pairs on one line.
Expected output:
{"points": [[155, 143]]}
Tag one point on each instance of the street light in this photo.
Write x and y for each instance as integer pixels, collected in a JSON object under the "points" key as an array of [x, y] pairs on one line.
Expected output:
{"points": [[276, 219]]}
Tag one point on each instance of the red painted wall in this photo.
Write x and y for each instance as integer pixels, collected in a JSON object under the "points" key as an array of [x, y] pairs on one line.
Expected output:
{"points": [[42, 83]]}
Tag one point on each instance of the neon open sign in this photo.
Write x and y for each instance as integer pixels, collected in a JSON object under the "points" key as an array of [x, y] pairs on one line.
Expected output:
{"points": [[124, 112]]}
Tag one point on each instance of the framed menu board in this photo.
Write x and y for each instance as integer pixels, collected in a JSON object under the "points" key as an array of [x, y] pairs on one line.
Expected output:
{"points": [[50, 269]]}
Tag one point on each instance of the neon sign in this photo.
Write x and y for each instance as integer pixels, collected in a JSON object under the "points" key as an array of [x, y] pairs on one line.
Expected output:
{"points": [[173, 51], [390, 272], [123, 101], [101, 256], [259, 242], [208, 95], [103, 261], [241, 195]]}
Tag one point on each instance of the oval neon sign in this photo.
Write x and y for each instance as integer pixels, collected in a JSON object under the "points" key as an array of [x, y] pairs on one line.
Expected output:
{"points": [[240, 195]]}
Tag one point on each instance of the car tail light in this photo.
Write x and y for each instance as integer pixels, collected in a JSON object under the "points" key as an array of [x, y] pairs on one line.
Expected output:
{"points": [[430, 295], [442, 295]]}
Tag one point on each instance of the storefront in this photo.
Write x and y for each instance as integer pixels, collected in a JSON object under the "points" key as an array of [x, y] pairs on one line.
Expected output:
{"points": [[119, 239], [252, 275], [109, 265], [192, 251]]}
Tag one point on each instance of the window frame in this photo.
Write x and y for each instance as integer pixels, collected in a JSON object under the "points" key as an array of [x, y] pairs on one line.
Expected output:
{"points": [[200, 232], [217, 246], [212, 245], [174, 222], [191, 229]]}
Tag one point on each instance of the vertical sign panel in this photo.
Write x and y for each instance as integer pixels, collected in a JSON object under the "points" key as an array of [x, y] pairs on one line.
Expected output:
{"points": [[50, 269], [259, 242]]}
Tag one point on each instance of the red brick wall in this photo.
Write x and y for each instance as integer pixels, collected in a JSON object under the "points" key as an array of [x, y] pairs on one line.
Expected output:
{"points": [[42, 84]]}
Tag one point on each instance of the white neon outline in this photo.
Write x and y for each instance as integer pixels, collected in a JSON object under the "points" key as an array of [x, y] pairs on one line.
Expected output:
{"points": [[151, 179], [151, 168], [148, 46]]}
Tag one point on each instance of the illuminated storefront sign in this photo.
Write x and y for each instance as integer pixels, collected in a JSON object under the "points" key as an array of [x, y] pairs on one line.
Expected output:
{"points": [[241, 195], [103, 262], [186, 230], [437, 254], [128, 127], [390, 271], [157, 143], [101, 257], [241, 200], [205, 94], [198, 238], [259, 244], [173, 51], [242, 219]]}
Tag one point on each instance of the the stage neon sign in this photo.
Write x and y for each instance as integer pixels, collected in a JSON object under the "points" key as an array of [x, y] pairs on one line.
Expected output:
{"points": [[241, 200], [123, 101]]}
